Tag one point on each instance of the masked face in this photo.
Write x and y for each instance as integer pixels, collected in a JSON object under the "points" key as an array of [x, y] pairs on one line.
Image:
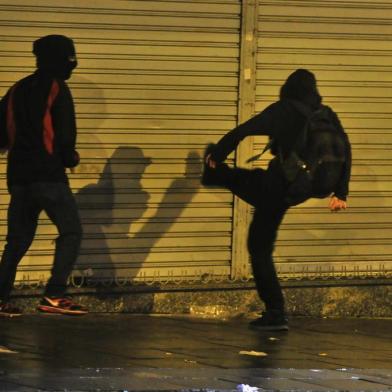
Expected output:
{"points": [[55, 56], [62, 66]]}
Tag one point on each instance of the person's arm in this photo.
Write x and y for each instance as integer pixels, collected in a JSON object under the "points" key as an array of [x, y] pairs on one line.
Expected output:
{"points": [[339, 198], [261, 124], [342, 188], [64, 124]]}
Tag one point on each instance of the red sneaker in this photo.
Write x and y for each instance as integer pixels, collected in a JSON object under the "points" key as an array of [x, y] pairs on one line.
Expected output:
{"points": [[61, 306], [8, 310]]}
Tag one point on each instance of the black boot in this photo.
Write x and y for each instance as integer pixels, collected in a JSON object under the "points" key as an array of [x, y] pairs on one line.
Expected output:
{"points": [[271, 320]]}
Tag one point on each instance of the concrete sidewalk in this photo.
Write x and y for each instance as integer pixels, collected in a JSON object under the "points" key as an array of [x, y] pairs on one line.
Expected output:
{"points": [[118, 352]]}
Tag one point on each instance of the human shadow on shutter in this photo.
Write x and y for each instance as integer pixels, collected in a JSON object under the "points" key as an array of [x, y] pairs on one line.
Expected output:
{"points": [[117, 239], [108, 209]]}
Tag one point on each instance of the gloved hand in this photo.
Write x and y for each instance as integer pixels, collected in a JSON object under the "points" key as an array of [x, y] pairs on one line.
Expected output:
{"points": [[210, 162], [71, 159]]}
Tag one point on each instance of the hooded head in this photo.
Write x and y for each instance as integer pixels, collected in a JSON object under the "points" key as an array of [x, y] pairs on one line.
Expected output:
{"points": [[302, 86], [55, 55]]}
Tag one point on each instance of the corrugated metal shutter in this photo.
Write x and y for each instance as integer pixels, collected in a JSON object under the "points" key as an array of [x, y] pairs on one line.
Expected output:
{"points": [[348, 46], [156, 81]]}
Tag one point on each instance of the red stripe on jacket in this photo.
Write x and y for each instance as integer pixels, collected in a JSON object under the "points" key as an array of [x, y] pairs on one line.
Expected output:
{"points": [[48, 131]]}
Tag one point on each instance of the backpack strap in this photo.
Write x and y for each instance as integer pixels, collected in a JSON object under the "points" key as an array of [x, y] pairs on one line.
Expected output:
{"points": [[307, 112], [301, 107], [301, 139], [266, 148]]}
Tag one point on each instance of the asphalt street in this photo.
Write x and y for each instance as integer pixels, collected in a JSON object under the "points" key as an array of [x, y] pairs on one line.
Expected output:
{"points": [[124, 352]]}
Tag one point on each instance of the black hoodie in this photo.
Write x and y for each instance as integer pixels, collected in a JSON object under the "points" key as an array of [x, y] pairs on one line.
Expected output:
{"points": [[37, 120], [283, 122]]}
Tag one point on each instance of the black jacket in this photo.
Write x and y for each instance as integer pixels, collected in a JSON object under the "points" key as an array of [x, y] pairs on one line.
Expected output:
{"points": [[37, 126], [282, 122]]}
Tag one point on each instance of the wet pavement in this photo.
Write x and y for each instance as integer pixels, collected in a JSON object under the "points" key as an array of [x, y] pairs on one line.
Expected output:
{"points": [[123, 352]]}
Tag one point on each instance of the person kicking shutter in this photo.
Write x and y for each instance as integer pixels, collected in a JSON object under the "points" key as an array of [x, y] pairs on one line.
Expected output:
{"points": [[312, 158]]}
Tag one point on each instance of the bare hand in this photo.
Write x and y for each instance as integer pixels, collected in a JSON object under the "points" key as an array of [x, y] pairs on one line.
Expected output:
{"points": [[336, 204], [210, 162]]}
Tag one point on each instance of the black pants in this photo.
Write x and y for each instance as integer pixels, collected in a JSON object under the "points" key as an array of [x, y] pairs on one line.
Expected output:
{"points": [[57, 200], [265, 190]]}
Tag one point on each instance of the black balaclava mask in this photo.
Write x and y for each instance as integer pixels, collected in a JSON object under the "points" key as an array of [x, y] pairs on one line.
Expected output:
{"points": [[55, 56]]}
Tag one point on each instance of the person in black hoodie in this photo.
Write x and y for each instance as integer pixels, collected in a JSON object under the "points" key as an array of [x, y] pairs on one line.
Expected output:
{"points": [[38, 129], [267, 190]]}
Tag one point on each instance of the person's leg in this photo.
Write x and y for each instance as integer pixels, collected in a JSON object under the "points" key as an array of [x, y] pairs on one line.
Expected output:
{"points": [[250, 185], [59, 203], [261, 240], [265, 190], [23, 215]]}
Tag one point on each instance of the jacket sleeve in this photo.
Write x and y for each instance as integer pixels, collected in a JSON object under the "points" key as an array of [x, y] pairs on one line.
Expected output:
{"points": [[3, 122], [342, 187], [261, 124], [64, 124]]}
